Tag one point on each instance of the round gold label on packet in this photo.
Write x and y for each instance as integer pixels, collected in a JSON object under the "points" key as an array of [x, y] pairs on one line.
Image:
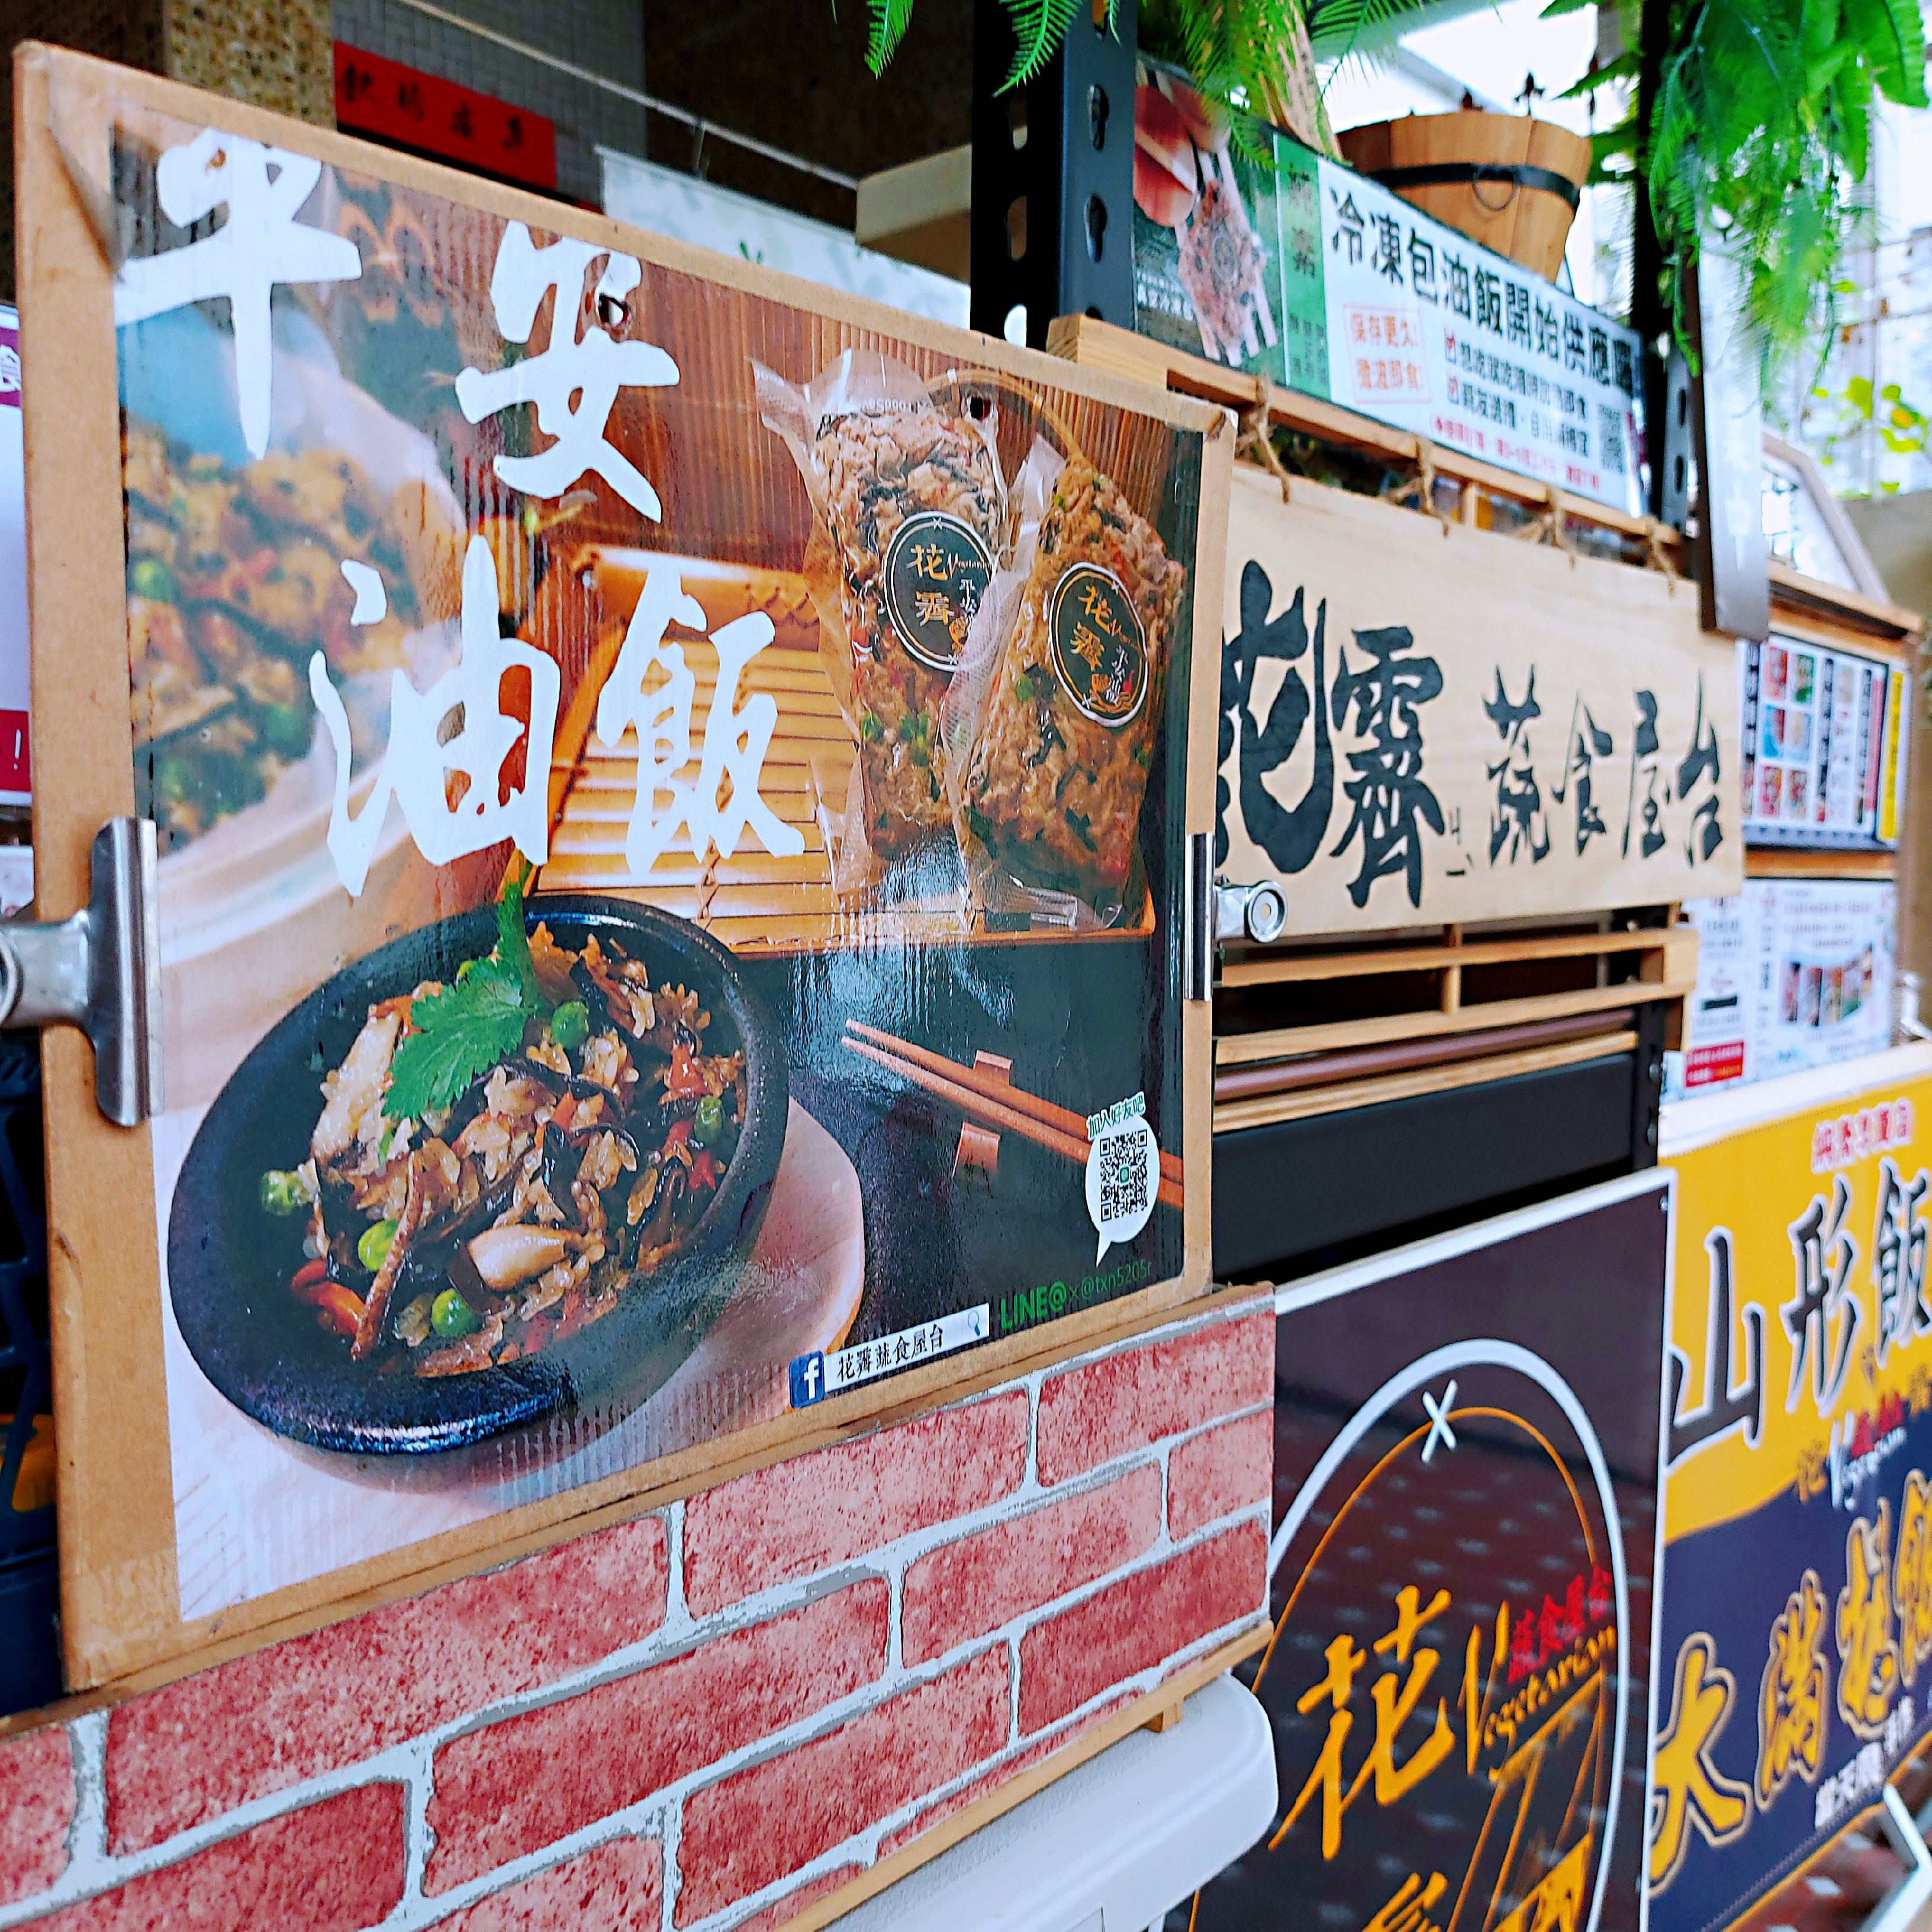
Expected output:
{"points": [[1100, 649], [936, 571]]}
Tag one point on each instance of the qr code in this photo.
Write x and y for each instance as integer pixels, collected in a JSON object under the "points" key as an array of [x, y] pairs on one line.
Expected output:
{"points": [[1123, 1177], [1610, 437]]}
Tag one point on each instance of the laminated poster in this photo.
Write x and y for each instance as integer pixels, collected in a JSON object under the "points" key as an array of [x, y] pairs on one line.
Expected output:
{"points": [[1797, 1607], [1823, 757], [1319, 278], [1792, 974], [1468, 1442], [672, 795]]}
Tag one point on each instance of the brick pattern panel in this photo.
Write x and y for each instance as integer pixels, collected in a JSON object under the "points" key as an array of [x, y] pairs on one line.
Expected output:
{"points": [[966, 1589], [711, 1717], [617, 1886], [36, 1809], [244, 1729], [825, 1508], [1099, 1410], [992, 1779], [793, 1903], [507, 1788], [334, 1867], [1131, 1625], [741, 1834], [1221, 1470]]}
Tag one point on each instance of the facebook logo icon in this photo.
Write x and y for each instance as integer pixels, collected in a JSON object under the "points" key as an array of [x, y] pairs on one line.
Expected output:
{"points": [[807, 1380]]}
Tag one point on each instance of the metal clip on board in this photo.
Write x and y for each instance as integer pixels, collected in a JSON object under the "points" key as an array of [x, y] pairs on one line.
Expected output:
{"points": [[100, 970]]}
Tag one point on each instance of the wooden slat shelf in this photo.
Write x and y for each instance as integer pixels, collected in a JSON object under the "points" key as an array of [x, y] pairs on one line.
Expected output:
{"points": [[1803, 861], [1264, 971], [1841, 607], [1268, 1109], [1100, 345], [1495, 1002], [1285, 1042]]}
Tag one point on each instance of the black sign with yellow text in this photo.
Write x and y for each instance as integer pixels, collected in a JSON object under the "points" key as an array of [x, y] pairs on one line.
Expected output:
{"points": [[1467, 1453]]}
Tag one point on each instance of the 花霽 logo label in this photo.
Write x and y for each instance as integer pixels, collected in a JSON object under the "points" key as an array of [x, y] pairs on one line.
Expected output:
{"points": [[936, 570], [1100, 649]]}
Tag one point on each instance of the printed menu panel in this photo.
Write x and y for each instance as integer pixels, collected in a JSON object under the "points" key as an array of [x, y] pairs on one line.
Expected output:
{"points": [[1796, 1618], [1299, 269], [1822, 755], [671, 808], [1792, 974]]}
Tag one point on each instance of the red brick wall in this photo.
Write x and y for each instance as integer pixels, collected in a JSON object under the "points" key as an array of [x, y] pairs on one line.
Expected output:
{"points": [[705, 1718]]}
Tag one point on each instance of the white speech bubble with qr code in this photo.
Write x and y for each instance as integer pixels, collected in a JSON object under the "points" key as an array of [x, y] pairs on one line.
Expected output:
{"points": [[1122, 1178]]}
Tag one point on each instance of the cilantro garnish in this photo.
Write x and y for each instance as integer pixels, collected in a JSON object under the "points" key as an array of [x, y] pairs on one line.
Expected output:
{"points": [[462, 1031]]}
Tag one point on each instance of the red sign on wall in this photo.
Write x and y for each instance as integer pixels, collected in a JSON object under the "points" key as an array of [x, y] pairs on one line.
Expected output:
{"points": [[409, 108]]}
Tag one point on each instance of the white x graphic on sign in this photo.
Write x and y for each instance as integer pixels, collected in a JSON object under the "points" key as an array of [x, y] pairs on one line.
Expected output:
{"points": [[1439, 1430]]}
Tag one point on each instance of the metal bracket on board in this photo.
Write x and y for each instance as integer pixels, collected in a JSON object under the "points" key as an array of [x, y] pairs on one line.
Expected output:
{"points": [[1258, 913], [100, 970], [1197, 969]]}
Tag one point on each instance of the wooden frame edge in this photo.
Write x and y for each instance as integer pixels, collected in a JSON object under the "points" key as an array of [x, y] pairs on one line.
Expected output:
{"points": [[1153, 1710]]}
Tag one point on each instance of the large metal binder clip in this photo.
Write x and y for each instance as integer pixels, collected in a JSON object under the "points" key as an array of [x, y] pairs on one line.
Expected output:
{"points": [[100, 970]]}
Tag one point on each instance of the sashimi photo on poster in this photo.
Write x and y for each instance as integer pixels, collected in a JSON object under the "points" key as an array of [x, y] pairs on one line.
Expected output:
{"points": [[1298, 269]]}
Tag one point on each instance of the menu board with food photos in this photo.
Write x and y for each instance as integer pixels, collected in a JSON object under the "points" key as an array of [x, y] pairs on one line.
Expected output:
{"points": [[1792, 974], [672, 790], [1822, 757]]}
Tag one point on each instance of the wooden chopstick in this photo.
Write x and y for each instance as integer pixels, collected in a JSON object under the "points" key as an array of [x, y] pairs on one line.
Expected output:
{"points": [[1064, 1119], [996, 1112]]}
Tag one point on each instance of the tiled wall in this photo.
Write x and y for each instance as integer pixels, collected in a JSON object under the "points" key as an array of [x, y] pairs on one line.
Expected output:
{"points": [[274, 53], [704, 1718], [602, 36]]}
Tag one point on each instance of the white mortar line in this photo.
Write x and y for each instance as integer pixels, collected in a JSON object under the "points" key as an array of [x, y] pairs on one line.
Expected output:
{"points": [[671, 1838], [418, 1839], [677, 1619], [87, 1830]]}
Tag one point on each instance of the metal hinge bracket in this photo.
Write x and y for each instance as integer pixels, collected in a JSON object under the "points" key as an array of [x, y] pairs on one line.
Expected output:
{"points": [[100, 970]]}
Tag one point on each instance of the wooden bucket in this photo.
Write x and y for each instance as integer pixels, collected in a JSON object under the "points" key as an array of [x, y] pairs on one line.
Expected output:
{"points": [[1504, 180]]}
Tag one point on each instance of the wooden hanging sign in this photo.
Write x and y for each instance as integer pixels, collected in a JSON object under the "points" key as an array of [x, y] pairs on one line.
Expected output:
{"points": [[1423, 723]]}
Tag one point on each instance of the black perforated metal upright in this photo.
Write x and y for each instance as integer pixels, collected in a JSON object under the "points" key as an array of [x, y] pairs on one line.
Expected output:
{"points": [[1053, 175]]}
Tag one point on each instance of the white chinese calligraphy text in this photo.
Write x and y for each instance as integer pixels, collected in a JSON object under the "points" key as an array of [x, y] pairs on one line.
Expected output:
{"points": [[735, 739], [573, 381], [260, 244], [419, 763]]}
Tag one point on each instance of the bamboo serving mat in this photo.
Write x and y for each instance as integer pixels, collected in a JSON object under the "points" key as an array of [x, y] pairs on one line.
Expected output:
{"points": [[752, 898]]}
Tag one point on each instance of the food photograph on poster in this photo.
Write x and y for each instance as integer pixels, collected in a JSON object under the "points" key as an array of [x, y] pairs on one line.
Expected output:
{"points": [[1461, 1575], [671, 817]]}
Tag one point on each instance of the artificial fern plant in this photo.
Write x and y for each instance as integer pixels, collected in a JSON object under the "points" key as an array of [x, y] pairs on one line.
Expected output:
{"points": [[1755, 125], [1250, 58]]}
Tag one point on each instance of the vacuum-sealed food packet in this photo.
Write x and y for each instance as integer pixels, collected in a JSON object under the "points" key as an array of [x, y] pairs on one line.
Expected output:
{"points": [[1066, 700], [905, 478]]}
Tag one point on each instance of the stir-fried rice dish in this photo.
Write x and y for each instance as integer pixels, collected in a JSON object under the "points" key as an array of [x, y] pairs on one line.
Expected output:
{"points": [[500, 1161], [234, 580]]}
